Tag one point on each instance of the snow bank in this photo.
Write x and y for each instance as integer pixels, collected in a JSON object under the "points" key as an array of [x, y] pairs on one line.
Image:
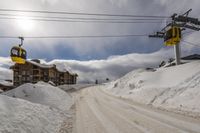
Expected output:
{"points": [[74, 87], [20, 116], [44, 94], [6, 83], [174, 88]]}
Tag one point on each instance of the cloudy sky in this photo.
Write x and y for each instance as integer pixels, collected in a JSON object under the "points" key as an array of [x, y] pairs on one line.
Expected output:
{"points": [[102, 52]]}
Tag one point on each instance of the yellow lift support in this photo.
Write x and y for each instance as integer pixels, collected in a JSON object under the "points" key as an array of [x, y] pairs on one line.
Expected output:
{"points": [[172, 32]]}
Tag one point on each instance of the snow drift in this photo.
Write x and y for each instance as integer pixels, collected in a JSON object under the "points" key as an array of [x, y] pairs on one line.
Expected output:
{"points": [[20, 116], [44, 94], [174, 88], [35, 108], [74, 87]]}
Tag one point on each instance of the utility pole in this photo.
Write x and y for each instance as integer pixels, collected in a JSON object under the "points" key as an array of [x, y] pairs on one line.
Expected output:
{"points": [[183, 22]]}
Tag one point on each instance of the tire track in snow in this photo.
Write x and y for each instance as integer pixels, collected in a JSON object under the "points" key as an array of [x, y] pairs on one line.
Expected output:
{"points": [[98, 112]]}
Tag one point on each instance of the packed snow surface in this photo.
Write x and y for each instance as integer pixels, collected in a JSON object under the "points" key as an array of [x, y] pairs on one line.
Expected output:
{"points": [[174, 88], [74, 87], [21, 116], [44, 94]]}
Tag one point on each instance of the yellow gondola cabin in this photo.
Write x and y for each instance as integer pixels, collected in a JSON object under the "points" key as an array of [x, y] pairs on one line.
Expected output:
{"points": [[172, 36], [18, 55]]}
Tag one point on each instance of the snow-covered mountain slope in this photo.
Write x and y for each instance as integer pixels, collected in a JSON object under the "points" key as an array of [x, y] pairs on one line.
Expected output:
{"points": [[174, 88], [21, 116], [44, 94], [5, 73]]}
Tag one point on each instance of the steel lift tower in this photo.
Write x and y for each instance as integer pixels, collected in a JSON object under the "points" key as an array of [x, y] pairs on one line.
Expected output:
{"points": [[172, 33]]}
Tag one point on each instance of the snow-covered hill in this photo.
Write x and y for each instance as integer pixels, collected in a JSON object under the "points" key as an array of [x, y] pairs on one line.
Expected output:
{"points": [[5, 72], [21, 116], [174, 88], [35, 108], [44, 94]]}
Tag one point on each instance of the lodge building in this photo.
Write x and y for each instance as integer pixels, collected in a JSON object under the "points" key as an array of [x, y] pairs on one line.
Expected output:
{"points": [[33, 71]]}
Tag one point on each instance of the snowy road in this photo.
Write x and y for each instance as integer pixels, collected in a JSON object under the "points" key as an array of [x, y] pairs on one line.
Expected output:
{"points": [[98, 112]]}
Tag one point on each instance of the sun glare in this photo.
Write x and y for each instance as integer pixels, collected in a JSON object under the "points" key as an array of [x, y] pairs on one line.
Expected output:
{"points": [[25, 24]]}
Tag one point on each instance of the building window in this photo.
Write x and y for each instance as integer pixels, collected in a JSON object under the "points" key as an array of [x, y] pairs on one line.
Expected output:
{"points": [[27, 73], [23, 79], [23, 72], [16, 72], [28, 79], [35, 72], [35, 67]]}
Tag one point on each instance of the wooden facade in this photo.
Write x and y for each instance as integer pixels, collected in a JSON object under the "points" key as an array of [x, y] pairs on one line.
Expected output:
{"points": [[32, 72]]}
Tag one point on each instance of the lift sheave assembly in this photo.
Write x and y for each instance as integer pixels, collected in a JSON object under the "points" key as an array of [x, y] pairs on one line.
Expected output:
{"points": [[18, 54]]}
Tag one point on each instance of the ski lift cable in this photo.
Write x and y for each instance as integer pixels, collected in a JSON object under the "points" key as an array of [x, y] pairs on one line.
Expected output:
{"points": [[81, 13], [78, 18], [63, 37], [79, 21]]}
